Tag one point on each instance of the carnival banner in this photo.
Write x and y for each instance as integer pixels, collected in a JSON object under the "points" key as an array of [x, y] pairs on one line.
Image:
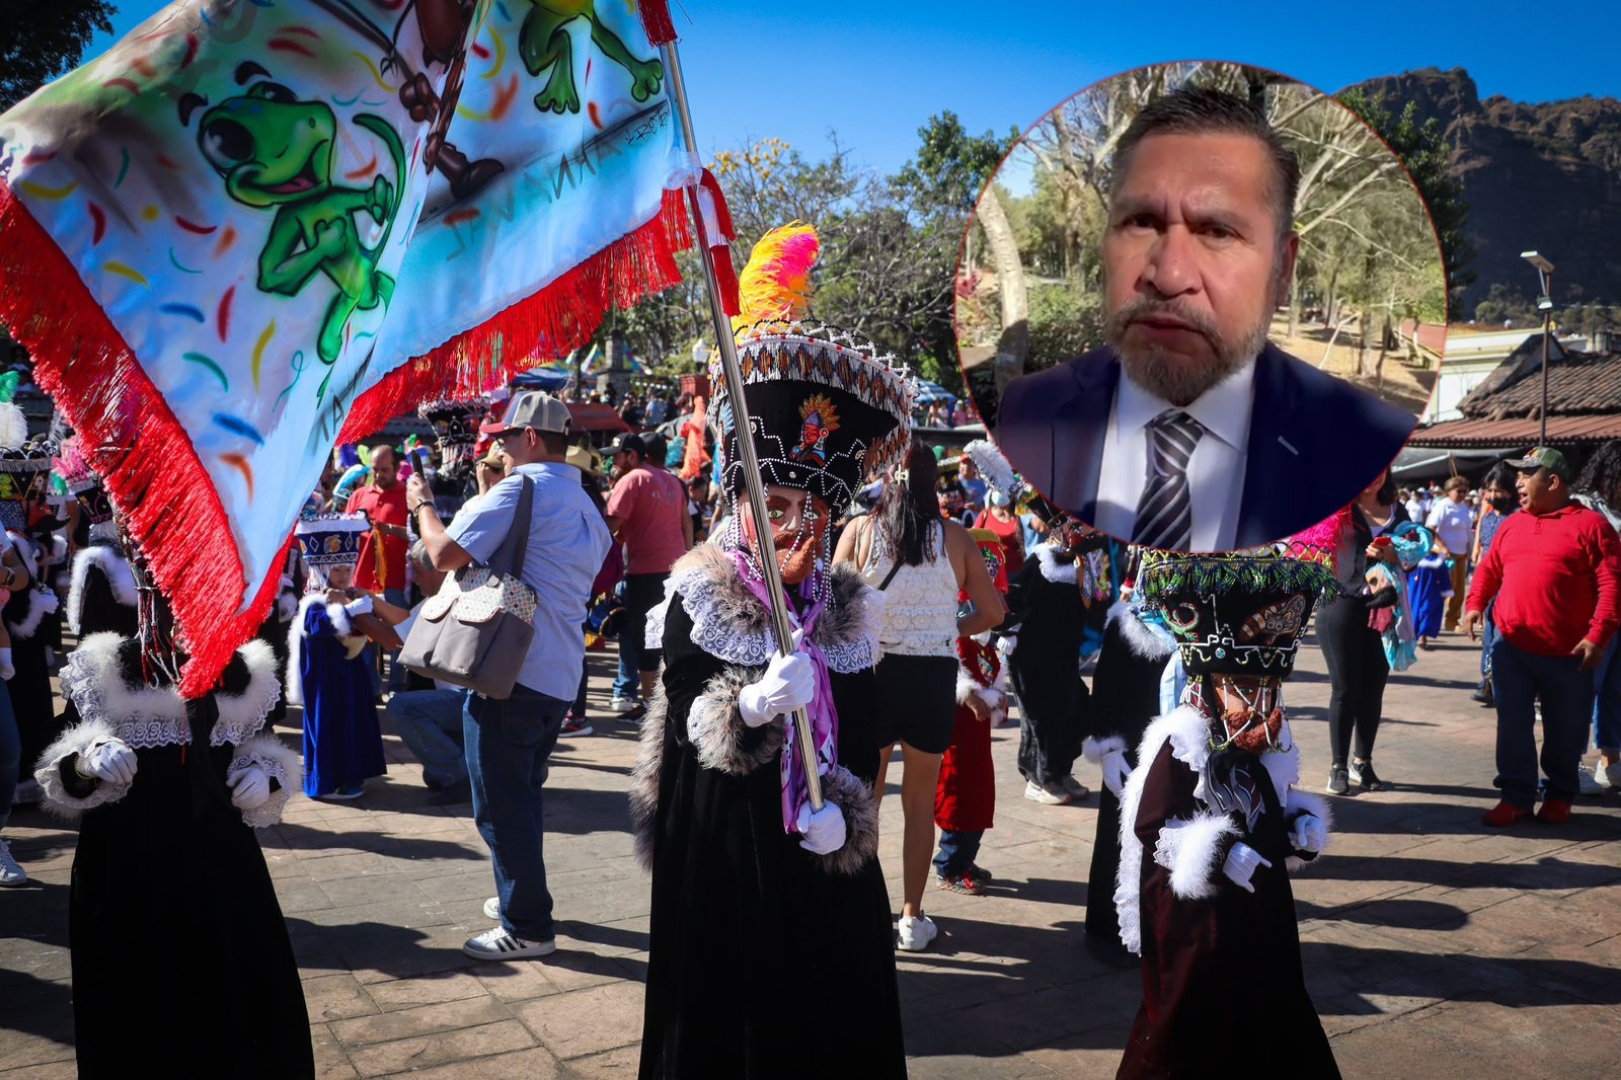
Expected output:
{"points": [[255, 227]]}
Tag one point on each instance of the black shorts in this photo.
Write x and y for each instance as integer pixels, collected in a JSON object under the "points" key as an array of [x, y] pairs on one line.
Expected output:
{"points": [[917, 701]]}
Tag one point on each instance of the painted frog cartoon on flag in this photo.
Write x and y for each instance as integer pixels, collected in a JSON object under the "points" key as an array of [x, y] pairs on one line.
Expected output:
{"points": [[254, 227]]}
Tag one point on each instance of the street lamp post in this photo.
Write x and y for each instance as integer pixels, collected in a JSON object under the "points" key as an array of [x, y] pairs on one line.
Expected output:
{"points": [[1544, 305]]}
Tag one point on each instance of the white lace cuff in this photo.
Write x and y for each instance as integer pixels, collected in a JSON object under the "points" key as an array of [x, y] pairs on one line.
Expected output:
{"points": [[1193, 851], [78, 740], [279, 763]]}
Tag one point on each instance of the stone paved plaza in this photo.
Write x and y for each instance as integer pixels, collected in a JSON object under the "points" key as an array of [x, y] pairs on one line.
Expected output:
{"points": [[1433, 946]]}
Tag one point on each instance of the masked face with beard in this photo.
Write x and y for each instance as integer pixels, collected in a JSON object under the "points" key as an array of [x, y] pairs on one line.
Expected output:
{"points": [[799, 522]]}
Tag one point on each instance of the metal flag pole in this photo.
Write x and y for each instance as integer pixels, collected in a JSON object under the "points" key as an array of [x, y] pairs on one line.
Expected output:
{"points": [[733, 372]]}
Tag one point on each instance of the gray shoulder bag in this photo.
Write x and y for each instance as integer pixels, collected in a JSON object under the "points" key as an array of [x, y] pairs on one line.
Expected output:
{"points": [[476, 631]]}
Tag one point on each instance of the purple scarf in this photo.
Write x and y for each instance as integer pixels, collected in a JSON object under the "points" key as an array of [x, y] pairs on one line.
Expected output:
{"points": [[824, 719]]}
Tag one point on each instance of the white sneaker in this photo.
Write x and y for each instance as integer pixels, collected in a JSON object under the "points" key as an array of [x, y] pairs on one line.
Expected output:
{"points": [[497, 944], [1076, 789], [1587, 781], [28, 793], [1608, 776], [10, 873], [915, 933], [624, 705], [1048, 794], [492, 909]]}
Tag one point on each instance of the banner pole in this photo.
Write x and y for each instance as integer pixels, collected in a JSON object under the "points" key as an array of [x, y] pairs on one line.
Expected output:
{"points": [[733, 372]]}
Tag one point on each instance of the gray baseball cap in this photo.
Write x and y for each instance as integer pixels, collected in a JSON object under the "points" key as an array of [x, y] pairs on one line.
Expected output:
{"points": [[539, 410]]}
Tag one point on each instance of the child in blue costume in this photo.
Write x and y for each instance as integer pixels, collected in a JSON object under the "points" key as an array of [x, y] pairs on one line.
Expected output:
{"points": [[326, 674]]}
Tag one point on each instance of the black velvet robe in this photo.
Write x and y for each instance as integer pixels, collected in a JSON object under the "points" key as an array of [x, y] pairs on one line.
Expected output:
{"points": [[1125, 697], [1222, 979], [762, 963], [1045, 669]]}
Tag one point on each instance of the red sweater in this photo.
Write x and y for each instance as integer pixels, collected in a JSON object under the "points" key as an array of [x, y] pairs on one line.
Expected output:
{"points": [[1557, 580]]}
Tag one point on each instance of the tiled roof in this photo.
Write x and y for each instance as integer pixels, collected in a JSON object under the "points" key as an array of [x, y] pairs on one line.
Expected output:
{"points": [[1578, 382], [1520, 431]]}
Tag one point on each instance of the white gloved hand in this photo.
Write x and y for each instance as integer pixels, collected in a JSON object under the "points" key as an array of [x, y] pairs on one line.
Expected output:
{"points": [[789, 683], [1115, 771], [250, 788], [1241, 865], [823, 829], [1309, 833], [112, 761], [360, 606]]}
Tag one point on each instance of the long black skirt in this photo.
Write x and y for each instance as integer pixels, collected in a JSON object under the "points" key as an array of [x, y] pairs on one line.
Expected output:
{"points": [[181, 961]]}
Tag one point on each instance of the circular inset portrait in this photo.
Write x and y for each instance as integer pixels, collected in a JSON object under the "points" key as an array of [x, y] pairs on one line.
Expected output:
{"points": [[1185, 306]]}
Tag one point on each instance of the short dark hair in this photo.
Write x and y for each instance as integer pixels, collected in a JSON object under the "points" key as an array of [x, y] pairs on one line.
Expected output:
{"points": [[1202, 110], [555, 442]]}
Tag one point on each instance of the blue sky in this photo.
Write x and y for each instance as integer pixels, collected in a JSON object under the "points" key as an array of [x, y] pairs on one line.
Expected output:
{"points": [[875, 72]]}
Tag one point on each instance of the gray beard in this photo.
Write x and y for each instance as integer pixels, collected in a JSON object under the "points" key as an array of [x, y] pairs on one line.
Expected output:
{"points": [[1178, 382]]}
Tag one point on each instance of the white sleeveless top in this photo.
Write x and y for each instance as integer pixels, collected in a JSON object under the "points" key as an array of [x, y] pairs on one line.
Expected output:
{"points": [[920, 603]]}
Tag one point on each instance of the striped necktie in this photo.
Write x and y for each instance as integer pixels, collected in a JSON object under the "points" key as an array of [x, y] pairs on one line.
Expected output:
{"points": [[1165, 511]]}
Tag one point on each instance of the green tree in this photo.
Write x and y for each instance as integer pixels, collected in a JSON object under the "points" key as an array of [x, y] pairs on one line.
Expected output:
{"points": [[952, 166], [40, 41], [1424, 153]]}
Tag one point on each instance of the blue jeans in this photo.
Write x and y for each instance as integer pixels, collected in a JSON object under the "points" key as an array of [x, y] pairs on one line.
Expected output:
{"points": [[643, 592], [508, 743], [1520, 678], [957, 851], [430, 723], [1607, 699], [11, 752], [1488, 634]]}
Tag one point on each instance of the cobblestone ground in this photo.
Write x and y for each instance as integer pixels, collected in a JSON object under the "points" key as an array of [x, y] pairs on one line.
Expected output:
{"points": [[1433, 946]]}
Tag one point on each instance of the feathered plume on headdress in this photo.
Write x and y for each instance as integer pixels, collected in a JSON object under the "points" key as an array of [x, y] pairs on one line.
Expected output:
{"points": [[13, 424], [775, 286], [73, 467], [996, 470]]}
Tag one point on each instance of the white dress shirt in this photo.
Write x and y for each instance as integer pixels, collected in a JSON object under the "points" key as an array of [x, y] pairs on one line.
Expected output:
{"points": [[1215, 472]]}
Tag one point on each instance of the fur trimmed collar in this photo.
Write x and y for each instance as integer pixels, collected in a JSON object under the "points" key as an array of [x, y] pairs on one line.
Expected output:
{"points": [[146, 716], [1144, 641], [295, 641], [113, 566], [731, 624], [1054, 571]]}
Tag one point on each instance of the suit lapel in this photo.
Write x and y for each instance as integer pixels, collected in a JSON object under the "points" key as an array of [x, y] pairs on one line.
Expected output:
{"points": [[1078, 437], [1273, 452]]}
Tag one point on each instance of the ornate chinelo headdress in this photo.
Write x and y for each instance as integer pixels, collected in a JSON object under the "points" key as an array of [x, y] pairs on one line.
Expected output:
{"points": [[826, 408], [82, 482], [455, 423], [1238, 613], [24, 464], [329, 540]]}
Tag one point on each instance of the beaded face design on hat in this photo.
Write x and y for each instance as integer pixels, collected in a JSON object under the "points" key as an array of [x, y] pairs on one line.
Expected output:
{"points": [[329, 540], [1238, 613], [826, 410], [455, 423]]}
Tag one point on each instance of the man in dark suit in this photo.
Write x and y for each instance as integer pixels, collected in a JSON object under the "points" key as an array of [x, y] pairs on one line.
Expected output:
{"points": [[1215, 439]]}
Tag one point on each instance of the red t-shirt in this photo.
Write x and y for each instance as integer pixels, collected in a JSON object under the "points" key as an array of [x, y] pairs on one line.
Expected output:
{"points": [[1010, 533], [384, 508], [1557, 580], [650, 503]]}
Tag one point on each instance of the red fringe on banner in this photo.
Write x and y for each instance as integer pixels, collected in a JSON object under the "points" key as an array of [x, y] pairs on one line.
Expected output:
{"points": [[558, 318], [145, 457], [656, 21]]}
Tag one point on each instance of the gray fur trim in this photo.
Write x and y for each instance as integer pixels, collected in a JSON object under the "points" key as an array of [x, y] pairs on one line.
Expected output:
{"points": [[1139, 638], [113, 566], [718, 732], [279, 762], [844, 789], [644, 777], [76, 740]]}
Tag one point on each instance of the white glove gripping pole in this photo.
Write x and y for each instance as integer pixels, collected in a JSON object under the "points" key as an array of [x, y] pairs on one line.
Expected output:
{"points": [[740, 417]]}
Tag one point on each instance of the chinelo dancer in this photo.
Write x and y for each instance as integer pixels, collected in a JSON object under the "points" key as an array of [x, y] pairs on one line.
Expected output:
{"points": [[771, 951], [102, 596], [1211, 820], [182, 965]]}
